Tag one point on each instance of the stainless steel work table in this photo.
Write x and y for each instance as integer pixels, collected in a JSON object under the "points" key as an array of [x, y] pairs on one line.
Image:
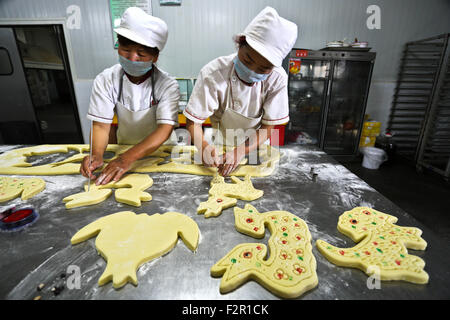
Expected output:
{"points": [[42, 252]]}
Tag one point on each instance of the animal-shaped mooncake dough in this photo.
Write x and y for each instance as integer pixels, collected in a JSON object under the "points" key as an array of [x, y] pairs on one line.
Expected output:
{"points": [[127, 241], [11, 187], [290, 270], [224, 195], [129, 190], [382, 244]]}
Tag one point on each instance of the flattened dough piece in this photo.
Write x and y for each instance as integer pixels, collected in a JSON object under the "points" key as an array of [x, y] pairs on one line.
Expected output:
{"points": [[223, 195], [214, 206], [382, 246], [14, 161], [290, 270], [239, 189], [127, 241], [11, 187], [87, 198], [129, 190]]}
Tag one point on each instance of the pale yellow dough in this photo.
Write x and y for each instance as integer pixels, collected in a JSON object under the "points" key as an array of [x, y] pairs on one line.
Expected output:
{"points": [[127, 241], [11, 188], [86, 198], [381, 248], [290, 270], [223, 195], [129, 190], [14, 161]]}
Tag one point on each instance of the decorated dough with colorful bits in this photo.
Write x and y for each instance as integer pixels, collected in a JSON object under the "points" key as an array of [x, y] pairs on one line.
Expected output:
{"points": [[290, 270], [382, 246], [11, 188], [224, 195], [127, 241], [129, 190]]}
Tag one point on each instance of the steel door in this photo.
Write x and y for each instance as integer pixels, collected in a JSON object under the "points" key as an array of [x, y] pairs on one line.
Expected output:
{"points": [[18, 122]]}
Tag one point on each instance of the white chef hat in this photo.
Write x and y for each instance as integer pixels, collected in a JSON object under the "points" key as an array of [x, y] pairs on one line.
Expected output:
{"points": [[271, 35], [143, 28]]}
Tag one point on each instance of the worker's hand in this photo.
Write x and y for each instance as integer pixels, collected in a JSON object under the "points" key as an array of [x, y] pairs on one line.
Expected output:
{"points": [[230, 161], [210, 157], [87, 168], [114, 170]]}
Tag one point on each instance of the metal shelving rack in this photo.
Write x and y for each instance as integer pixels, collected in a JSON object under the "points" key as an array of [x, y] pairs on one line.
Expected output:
{"points": [[420, 113], [434, 151]]}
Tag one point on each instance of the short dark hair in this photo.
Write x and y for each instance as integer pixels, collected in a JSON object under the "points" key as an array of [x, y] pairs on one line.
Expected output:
{"points": [[127, 42]]}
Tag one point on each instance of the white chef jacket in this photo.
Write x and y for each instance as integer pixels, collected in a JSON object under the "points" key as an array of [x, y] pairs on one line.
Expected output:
{"points": [[135, 97], [209, 97]]}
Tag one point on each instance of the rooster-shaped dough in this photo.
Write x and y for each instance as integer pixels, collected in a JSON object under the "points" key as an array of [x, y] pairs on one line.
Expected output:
{"points": [[127, 241]]}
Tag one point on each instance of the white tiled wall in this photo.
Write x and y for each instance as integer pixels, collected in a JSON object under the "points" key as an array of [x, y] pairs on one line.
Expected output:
{"points": [[201, 30]]}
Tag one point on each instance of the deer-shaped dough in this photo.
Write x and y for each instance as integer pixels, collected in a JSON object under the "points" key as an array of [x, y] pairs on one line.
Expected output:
{"points": [[224, 195], [381, 248], [127, 241], [129, 190]]}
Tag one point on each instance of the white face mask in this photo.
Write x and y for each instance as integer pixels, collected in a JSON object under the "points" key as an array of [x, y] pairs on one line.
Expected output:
{"points": [[247, 75], [135, 68]]}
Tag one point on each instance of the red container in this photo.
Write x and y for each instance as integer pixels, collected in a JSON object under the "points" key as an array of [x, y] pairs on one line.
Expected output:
{"points": [[280, 141]]}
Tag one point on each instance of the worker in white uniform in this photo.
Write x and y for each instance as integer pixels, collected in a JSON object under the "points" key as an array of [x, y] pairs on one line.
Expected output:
{"points": [[245, 90], [144, 98]]}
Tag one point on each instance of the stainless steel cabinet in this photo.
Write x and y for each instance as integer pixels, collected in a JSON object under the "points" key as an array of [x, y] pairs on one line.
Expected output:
{"points": [[327, 98]]}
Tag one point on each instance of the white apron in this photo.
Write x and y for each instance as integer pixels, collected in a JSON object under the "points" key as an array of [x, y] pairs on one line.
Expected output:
{"points": [[231, 119], [134, 126]]}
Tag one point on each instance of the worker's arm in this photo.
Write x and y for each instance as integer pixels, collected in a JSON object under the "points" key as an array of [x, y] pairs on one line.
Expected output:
{"points": [[208, 153], [116, 168], [232, 158], [100, 137]]}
